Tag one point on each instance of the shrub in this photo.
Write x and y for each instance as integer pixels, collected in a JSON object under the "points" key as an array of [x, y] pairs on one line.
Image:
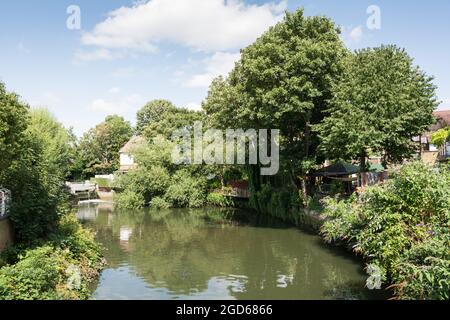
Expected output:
{"points": [[219, 200], [149, 182], [159, 203], [35, 276], [397, 226], [425, 269], [60, 268], [186, 190], [129, 200]]}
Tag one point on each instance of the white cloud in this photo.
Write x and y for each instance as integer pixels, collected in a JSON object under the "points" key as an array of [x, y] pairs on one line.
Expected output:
{"points": [[47, 99], [103, 105], [356, 34], [194, 106], [117, 106], [114, 90], [124, 73], [205, 25], [93, 55], [219, 64]]}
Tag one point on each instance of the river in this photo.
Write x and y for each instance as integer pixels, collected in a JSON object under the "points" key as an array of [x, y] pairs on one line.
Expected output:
{"points": [[216, 254]]}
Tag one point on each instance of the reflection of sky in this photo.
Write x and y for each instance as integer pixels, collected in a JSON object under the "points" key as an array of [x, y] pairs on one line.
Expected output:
{"points": [[124, 238], [125, 234], [87, 213], [124, 284]]}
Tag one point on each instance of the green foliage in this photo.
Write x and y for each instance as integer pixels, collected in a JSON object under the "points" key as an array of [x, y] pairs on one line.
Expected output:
{"points": [[35, 276], [55, 141], [13, 123], [36, 174], [80, 243], [171, 121], [60, 268], [440, 137], [425, 269], [219, 200], [399, 226], [186, 190], [159, 203], [98, 149], [153, 112], [129, 199], [283, 81], [102, 182], [382, 102], [53, 258], [149, 182]]}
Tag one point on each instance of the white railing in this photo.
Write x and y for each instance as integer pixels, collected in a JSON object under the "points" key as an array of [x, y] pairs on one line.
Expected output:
{"points": [[5, 200]]}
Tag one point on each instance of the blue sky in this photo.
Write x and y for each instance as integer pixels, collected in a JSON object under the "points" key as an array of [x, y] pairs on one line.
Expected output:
{"points": [[127, 53]]}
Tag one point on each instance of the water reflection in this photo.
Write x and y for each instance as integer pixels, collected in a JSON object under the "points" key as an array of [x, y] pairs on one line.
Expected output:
{"points": [[203, 254]]}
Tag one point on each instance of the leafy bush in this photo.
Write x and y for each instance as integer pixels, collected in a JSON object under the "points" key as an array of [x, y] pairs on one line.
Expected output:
{"points": [[80, 243], [129, 200], [398, 227], [159, 203], [147, 181], [425, 269], [35, 276], [60, 268], [186, 190], [102, 182], [158, 182], [219, 200]]}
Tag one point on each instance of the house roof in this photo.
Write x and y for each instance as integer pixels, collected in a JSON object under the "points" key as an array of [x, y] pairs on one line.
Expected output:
{"points": [[337, 169], [130, 145], [345, 169], [443, 120]]}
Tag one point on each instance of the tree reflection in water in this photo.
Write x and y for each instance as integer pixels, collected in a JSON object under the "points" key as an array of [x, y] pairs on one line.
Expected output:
{"points": [[207, 253]]}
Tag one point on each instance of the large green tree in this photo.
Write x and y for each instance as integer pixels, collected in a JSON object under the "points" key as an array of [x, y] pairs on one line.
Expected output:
{"points": [[170, 121], [34, 164], [55, 141], [383, 101], [13, 122], [283, 81], [153, 112], [99, 147]]}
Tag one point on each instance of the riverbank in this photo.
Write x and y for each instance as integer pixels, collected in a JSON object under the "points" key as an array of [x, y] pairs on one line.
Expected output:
{"points": [[401, 230], [60, 267]]}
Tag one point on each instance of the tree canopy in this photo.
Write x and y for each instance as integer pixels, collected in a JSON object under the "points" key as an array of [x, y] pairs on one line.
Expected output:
{"points": [[34, 162], [13, 122], [283, 81], [440, 137], [153, 112], [99, 147], [382, 102], [170, 121]]}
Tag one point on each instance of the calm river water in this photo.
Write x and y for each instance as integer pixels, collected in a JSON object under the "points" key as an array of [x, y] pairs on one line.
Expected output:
{"points": [[206, 254]]}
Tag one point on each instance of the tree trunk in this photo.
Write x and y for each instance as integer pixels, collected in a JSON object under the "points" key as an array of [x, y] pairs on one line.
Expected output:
{"points": [[362, 167], [420, 147]]}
